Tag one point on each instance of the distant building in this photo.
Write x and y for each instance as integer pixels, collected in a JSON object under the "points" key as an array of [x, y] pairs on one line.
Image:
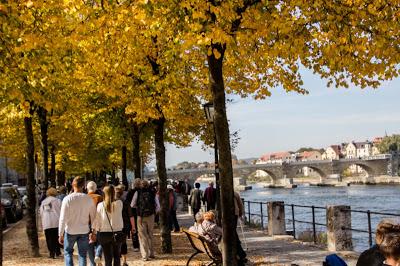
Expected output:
{"points": [[276, 157], [333, 152], [310, 156], [359, 149], [375, 143]]}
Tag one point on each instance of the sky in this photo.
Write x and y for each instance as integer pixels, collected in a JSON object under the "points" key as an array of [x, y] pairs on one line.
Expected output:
{"points": [[288, 121]]}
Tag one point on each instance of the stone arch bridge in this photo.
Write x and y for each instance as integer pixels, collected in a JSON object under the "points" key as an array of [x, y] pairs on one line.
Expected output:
{"points": [[385, 164]]}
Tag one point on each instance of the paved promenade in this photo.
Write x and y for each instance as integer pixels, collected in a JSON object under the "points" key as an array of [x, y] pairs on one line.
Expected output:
{"points": [[261, 249]]}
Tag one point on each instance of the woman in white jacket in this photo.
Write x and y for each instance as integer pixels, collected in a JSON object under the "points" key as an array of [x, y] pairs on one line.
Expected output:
{"points": [[108, 227], [50, 214]]}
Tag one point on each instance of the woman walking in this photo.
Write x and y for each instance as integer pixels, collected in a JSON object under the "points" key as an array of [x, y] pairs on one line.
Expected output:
{"points": [[50, 214], [129, 222], [108, 227]]}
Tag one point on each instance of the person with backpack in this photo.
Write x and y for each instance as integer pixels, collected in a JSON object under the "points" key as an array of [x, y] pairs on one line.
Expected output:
{"points": [[146, 206]]}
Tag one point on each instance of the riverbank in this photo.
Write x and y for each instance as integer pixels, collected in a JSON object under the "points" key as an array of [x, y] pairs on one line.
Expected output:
{"points": [[261, 250]]}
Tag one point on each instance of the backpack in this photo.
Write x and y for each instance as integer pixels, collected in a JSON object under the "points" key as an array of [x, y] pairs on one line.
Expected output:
{"points": [[334, 260], [146, 203]]}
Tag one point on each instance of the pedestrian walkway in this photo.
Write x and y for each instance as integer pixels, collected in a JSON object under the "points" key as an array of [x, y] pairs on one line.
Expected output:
{"points": [[261, 250]]}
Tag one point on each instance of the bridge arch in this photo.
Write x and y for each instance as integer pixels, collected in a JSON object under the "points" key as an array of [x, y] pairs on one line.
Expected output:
{"points": [[369, 171], [270, 176]]}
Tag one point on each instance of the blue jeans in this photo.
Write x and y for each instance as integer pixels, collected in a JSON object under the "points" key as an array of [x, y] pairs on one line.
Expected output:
{"points": [[94, 250], [83, 246]]}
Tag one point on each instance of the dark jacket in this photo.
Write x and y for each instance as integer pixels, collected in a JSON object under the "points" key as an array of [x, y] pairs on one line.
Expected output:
{"points": [[195, 198], [371, 257]]}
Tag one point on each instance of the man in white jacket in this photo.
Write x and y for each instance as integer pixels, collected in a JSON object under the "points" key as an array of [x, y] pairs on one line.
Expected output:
{"points": [[77, 212], [50, 214]]}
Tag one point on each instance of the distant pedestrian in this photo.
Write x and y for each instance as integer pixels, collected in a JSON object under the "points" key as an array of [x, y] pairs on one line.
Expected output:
{"points": [[128, 219], [77, 210], [50, 214], [146, 205], [62, 192], [210, 196], [186, 187], [134, 234], [241, 254], [195, 199], [173, 221], [95, 249], [108, 227]]}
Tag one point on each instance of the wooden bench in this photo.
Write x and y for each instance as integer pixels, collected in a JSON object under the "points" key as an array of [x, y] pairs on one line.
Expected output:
{"points": [[200, 246]]}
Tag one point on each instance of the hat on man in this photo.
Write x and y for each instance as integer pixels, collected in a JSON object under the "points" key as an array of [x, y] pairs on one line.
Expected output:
{"points": [[170, 187]]}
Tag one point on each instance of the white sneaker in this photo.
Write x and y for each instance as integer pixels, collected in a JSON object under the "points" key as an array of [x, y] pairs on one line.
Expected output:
{"points": [[135, 249], [97, 260]]}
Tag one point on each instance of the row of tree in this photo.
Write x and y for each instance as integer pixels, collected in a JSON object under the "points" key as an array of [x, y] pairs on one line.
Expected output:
{"points": [[96, 81]]}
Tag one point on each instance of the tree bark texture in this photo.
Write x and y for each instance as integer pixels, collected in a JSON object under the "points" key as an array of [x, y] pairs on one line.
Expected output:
{"points": [[123, 166], [135, 137], [44, 126], [225, 157], [166, 244], [53, 166], [31, 228]]}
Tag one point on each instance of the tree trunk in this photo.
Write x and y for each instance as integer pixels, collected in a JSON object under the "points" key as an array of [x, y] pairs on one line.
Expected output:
{"points": [[225, 157], [42, 113], [166, 244], [135, 136], [53, 166], [31, 228], [123, 166]]}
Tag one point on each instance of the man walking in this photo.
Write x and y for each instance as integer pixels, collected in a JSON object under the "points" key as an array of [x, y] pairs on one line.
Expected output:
{"points": [[195, 199], [146, 204], [210, 196], [77, 211], [173, 221]]}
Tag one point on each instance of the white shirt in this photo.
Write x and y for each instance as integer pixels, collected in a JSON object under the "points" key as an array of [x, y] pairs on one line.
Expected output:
{"points": [[77, 210], [50, 212], [102, 224], [135, 198]]}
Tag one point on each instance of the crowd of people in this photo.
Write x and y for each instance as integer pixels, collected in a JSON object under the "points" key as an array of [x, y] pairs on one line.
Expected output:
{"points": [[100, 220]]}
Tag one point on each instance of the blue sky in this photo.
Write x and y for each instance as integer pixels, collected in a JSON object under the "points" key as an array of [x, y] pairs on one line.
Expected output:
{"points": [[288, 121]]}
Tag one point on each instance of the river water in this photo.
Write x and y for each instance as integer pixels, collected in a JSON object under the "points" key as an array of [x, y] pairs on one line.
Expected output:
{"points": [[379, 198]]}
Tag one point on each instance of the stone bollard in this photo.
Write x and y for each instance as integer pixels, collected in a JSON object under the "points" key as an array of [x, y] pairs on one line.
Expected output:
{"points": [[276, 218], [338, 221]]}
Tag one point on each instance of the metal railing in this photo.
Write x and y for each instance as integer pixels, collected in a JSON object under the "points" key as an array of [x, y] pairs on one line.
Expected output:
{"points": [[312, 222], [370, 230], [258, 210], [262, 214]]}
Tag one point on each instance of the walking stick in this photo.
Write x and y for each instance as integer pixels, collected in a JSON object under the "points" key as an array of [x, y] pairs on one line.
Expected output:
{"points": [[244, 237]]}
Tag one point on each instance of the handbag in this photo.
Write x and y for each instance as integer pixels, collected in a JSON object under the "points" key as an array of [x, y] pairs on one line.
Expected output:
{"points": [[114, 237]]}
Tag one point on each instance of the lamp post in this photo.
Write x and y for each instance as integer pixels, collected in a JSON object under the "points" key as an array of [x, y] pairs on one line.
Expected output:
{"points": [[209, 112]]}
